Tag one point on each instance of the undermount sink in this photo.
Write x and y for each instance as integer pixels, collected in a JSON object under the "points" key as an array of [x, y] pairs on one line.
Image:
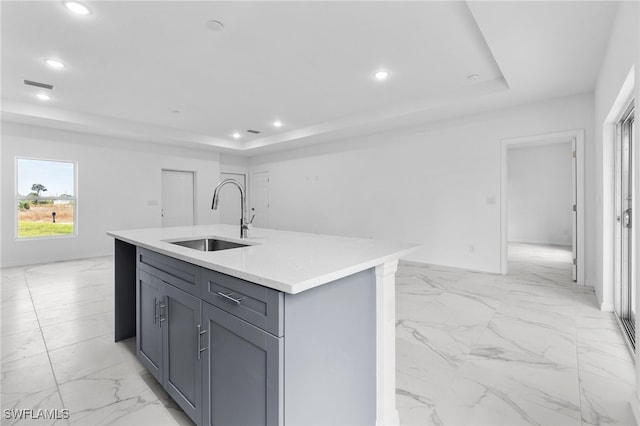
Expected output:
{"points": [[209, 244]]}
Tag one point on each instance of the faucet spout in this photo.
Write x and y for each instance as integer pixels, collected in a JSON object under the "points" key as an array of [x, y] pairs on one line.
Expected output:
{"points": [[244, 224]]}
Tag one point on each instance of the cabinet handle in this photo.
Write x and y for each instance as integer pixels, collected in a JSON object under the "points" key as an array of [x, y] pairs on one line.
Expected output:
{"points": [[161, 306], [155, 310], [199, 348], [228, 297]]}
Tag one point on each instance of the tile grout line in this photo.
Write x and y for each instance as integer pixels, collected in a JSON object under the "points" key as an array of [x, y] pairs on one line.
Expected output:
{"points": [[575, 336], [496, 310], [44, 341], [465, 359]]}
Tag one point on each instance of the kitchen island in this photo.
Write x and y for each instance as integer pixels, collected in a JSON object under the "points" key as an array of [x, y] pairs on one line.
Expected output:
{"points": [[287, 328]]}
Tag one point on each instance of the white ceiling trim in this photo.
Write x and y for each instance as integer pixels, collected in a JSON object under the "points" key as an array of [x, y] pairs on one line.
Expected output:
{"points": [[525, 51]]}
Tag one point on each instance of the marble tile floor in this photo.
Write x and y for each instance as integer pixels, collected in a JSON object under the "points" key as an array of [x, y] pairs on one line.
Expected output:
{"points": [[472, 348], [58, 352], [528, 348]]}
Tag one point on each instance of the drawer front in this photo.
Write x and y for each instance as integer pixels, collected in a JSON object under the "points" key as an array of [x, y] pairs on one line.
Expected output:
{"points": [[258, 305], [179, 274]]}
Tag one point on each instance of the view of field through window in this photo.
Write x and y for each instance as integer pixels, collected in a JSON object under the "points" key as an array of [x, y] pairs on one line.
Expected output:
{"points": [[45, 198]]}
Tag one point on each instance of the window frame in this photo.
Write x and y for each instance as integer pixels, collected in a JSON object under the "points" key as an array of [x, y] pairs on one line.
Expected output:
{"points": [[73, 199]]}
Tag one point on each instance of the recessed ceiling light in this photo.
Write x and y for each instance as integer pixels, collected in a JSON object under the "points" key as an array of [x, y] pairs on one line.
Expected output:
{"points": [[54, 63], [214, 25], [43, 97], [77, 8], [473, 76], [277, 123], [381, 75], [236, 135]]}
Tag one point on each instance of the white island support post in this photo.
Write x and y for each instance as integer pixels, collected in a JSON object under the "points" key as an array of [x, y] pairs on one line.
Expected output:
{"points": [[386, 412]]}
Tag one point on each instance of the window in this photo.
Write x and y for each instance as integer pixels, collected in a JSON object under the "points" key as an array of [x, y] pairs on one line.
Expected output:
{"points": [[46, 198]]}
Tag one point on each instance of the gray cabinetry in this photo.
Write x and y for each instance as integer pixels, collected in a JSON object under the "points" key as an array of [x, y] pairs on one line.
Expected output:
{"points": [[181, 351], [242, 372], [183, 275], [168, 337], [232, 352], [149, 333], [258, 305]]}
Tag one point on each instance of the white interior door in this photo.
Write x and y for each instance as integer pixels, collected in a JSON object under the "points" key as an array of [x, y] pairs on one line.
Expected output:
{"points": [[178, 198], [260, 199], [229, 205]]}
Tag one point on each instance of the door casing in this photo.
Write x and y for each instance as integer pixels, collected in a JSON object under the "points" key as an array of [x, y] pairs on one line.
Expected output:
{"points": [[578, 237], [188, 188], [260, 198]]}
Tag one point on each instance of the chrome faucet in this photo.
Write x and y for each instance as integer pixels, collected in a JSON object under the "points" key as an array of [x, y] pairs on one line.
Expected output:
{"points": [[244, 224]]}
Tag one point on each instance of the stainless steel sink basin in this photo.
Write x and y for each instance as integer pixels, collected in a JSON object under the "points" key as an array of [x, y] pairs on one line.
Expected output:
{"points": [[209, 244]]}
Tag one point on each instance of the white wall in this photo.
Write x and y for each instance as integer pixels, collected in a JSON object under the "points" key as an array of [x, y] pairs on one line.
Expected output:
{"points": [[119, 187], [438, 185], [540, 194], [234, 164], [621, 56], [621, 60]]}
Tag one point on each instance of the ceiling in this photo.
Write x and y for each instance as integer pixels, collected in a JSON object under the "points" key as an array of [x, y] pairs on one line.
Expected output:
{"points": [[156, 71]]}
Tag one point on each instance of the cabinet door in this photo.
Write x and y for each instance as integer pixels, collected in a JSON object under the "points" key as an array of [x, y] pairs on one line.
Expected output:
{"points": [[242, 372], [148, 322], [182, 367]]}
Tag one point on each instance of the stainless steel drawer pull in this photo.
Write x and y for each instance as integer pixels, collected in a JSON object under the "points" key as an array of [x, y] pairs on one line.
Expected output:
{"points": [[161, 307], [228, 297], [199, 348], [155, 310]]}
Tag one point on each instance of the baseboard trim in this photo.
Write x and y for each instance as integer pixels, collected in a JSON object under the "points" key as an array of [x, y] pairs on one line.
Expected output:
{"points": [[606, 307], [44, 261]]}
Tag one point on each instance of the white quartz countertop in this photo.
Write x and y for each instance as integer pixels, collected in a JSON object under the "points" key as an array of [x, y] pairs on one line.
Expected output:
{"points": [[286, 261]]}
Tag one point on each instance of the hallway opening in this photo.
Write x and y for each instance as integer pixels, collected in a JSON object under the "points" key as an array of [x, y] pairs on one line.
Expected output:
{"points": [[542, 195]]}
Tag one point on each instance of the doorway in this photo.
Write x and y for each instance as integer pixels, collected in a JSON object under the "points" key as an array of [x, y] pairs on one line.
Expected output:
{"points": [[574, 199], [540, 217], [178, 198], [260, 198], [624, 265]]}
